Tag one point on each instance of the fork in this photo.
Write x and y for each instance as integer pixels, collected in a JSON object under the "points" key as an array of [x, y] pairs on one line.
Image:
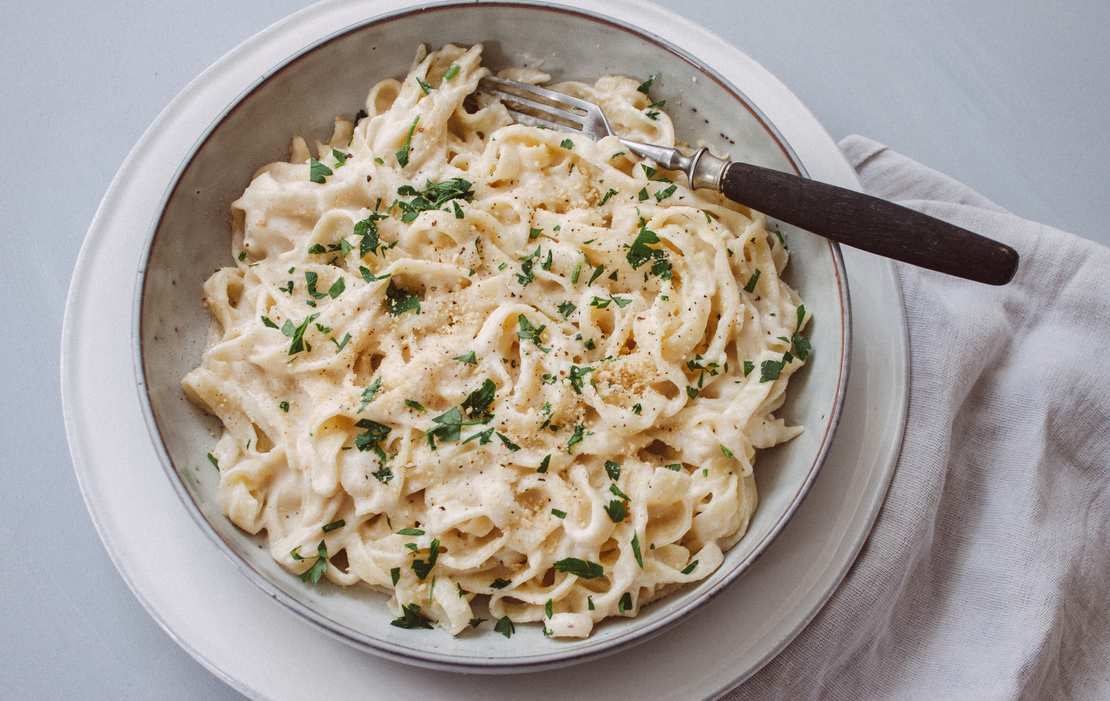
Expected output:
{"points": [[846, 216]]}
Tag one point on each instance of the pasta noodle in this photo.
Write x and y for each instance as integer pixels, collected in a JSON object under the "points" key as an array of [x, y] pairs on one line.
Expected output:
{"points": [[460, 357]]}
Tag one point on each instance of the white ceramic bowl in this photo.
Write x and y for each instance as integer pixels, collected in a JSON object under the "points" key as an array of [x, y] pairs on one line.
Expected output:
{"points": [[192, 238]]}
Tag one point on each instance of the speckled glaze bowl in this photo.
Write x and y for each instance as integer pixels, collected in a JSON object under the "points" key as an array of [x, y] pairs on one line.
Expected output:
{"points": [[191, 238]]}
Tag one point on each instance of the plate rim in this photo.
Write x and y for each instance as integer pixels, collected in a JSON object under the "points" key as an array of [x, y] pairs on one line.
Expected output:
{"points": [[536, 661], [841, 169]]}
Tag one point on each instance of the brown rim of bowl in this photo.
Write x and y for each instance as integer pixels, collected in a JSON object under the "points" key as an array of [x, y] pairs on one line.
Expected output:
{"points": [[414, 655]]}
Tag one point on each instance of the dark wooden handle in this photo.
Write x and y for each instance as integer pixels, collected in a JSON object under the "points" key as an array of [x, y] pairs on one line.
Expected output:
{"points": [[870, 224]]}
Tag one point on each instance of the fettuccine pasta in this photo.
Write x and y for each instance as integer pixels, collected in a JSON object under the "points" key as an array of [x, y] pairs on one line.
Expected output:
{"points": [[466, 361]]}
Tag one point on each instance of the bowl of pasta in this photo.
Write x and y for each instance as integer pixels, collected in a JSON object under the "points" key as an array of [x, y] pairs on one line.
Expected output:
{"points": [[472, 394]]}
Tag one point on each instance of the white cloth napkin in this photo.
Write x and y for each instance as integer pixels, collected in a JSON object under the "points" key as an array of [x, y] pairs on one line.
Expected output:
{"points": [[987, 575]]}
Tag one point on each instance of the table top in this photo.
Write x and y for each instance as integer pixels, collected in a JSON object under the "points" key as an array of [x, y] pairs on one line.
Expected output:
{"points": [[1008, 97]]}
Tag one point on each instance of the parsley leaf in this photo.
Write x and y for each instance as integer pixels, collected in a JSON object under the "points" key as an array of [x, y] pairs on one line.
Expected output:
{"points": [[400, 300], [613, 469], [769, 370], [544, 464], [748, 367], [412, 617], [368, 229], [750, 287], [368, 394], [311, 279], [296, 333], [617, 510], [636, 550], [340, 157], [373, 433], [337, 288], [452, 71], [577, 374], [284, 406], [212, 459], [577, 437], [527, 332], [424, 86], [478, 401], [690, 567], [467, 358], [433, 196], [410, 531], [329, 527], [645, 87], [340, 344], [625, 604], [608, 193], [395, 574], [403, 153], [567, 144], [727, 453], [596, 274], [505, 627], [423, 567], [317, 171], [799, 344], [665, 192], [313, 574], [267, 321], [414, 405], [558, 513], [565, 309], [581, 568], [642, 194], [508, 443]]}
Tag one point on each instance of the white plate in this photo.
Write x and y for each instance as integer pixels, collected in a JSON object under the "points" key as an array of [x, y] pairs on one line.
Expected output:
{"points": [[249, 641]]}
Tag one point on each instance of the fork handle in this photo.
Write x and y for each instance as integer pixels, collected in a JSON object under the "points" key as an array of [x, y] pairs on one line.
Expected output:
{"points": [[870, 224]]}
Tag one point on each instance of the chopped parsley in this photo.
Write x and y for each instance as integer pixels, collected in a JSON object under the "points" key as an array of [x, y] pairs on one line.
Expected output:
{"points": [[625, 604], [690, 567], [567, 144], [576, 273], [559, 513], [750, 287], [475, 622], [212, 459], [452, 71], [242, 256], [412, 617], [499, 583], [527, 332], [317, 171], [368, 229], [581, 568], [769, 370], [505, 627], [748, 367], [296, 333], [314, 573], [665, 192], [340, 344], [636, 409], [727, 453], [617, 510], [577, 437], [544, 464], [403, 153], [340, 157], [799, 344], [590, 603], [329, 527], [395, 574], [411, 531], [450, 422], [508, 443], [373, 433], [369, 276], [368, 393], [616, 491], [423, 86], [267, 321], [642, 194], [645, 87], [399, 300], [640, 252], [548, 608], [636, 550], [284, 406], [414, 405], [675, 466], [311, 279], [433, 196], [613, 469], [423, 567], [547, 262], [608, 193], [337, 288], [596, 274], [467, 358], [577, 374], [383, 474]]}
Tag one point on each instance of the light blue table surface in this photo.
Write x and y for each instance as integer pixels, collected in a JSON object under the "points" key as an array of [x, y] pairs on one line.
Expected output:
{"points": [[1012, 97]]}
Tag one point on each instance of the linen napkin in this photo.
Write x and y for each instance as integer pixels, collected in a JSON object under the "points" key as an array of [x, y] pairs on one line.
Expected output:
{"points": [[987, 575]]}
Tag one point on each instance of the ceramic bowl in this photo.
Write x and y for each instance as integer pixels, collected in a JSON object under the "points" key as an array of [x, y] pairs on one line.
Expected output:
{"points": [[191, 239]]}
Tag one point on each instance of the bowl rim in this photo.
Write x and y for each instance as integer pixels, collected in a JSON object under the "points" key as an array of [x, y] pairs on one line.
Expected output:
{"points": [[415, 655]]}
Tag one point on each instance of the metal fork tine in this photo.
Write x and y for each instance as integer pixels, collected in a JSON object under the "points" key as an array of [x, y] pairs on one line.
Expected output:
{"points": [[557, 98], [574, 119], [532, 120]]}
